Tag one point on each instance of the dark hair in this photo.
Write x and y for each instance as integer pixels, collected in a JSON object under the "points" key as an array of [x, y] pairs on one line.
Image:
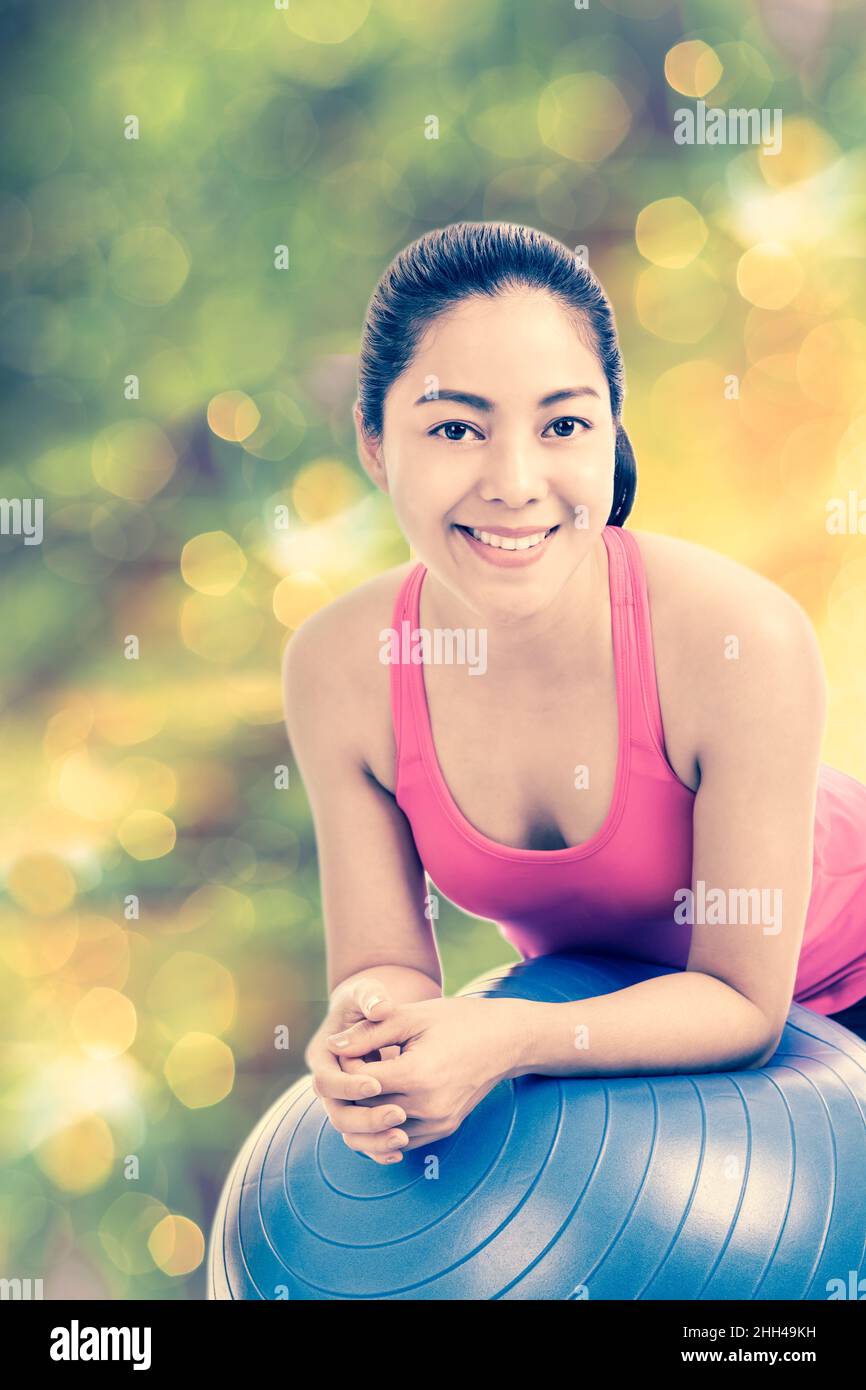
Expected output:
{"points": [[452, 263]]}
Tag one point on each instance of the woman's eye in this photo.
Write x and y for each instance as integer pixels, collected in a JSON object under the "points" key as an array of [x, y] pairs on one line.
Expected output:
{"points": [[454, 425], [568, 420]]}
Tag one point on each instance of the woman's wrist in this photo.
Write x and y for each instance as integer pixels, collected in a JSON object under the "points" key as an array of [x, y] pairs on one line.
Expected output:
{"points": [[518, 1044]]}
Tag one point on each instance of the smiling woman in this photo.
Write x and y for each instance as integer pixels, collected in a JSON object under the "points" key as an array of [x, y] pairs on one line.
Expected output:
{"points": [[631, 738]]}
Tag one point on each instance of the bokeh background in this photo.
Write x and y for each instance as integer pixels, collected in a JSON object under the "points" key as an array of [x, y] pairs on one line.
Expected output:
{"points": [[178, 391]]}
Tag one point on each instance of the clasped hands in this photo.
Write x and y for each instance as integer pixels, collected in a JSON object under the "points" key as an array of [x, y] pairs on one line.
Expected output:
{"points": [[403, 1075]]}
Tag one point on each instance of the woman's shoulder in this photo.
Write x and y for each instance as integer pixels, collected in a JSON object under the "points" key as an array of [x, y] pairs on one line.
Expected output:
{"points": [[695, 586], [705, 606], [332, 667], [353, 620]]}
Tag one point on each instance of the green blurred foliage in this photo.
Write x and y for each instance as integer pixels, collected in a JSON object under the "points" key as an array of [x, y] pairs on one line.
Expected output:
{"points": [[170, 388]]}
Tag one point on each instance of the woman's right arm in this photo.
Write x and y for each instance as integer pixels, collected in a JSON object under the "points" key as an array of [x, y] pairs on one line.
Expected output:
{"points": [[372, 881]]}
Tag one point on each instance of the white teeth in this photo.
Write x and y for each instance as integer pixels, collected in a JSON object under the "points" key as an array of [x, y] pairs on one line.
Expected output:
{"points": [[509, 542]]}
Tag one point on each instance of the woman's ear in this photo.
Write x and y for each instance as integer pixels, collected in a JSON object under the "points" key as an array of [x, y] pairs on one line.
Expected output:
{"points": [[370, 451]]}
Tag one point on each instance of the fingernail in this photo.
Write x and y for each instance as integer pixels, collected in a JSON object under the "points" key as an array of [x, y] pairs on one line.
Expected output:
{"points": [[394, 1117], [337, 1039], [370, 1088], [375, 1000]]}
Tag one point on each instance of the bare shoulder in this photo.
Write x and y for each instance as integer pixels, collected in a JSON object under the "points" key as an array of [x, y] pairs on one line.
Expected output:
{"points": [[696, 588], [712, 617], [332, 676]]}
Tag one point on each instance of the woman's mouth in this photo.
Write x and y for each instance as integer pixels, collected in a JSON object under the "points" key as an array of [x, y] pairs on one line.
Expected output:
{"points": [[515, 548]]}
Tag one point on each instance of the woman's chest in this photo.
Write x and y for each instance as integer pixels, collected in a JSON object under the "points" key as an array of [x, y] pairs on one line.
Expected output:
{"points": [[537, 768], [532, 774]]}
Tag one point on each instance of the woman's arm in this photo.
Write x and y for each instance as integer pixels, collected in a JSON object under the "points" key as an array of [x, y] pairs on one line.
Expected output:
{"points": [[381, 949], [761, 720], [372, 881]]}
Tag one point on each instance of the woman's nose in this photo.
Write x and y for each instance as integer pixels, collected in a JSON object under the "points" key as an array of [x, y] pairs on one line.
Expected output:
{"points": [[512, 476]]}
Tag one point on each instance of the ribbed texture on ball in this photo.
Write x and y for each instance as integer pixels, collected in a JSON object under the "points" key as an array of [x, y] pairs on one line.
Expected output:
{"points": [[745, 1184]]}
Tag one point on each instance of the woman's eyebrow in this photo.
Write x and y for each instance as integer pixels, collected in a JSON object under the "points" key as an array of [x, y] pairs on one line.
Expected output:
{"points": [[482, 403]]}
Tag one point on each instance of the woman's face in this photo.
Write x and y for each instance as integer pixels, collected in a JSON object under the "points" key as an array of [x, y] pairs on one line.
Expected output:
{"points": [[529, 446]]}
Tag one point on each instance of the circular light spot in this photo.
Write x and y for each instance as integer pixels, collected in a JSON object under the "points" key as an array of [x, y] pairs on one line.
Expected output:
{"points": [[176, 1245], [147, 265], [193, 993], [125, 1230], [831, 365], [104, 1022], [679, 305], [583, 117], [280, 429], [670, 232], [769, 275], [41, 883], [147, 834], [32, 949], [806, 150], [323, 489], [233, 415], [692, 68], [200, 1070], [154, 784], [80, 1157], [133, 460], [89, 788], [298, 596], [212, 562]]}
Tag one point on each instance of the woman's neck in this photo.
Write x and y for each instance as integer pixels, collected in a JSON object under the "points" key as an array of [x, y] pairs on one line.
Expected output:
{"points": [[566, 638]]}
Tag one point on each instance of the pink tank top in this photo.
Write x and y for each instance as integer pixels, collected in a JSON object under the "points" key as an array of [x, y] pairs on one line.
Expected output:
{"points": [[614, 893]]}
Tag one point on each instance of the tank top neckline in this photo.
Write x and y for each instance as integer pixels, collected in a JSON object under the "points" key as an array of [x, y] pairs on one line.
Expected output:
{"points": [[619, 586]]}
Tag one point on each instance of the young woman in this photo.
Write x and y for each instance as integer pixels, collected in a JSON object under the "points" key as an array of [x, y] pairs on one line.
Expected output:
{"points": [[611, 743]]}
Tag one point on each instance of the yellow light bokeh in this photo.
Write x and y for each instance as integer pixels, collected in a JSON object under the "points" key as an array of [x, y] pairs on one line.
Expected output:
{"points": [[233, 415], [298, 596], [212, 563], [200, 1069], [670, 232], [831, 364], [191, 992], [133, 460], [807, 149], [126, 1228], [41, 883], [583, 117], [324, 488], [679, 305], [176, 1245], [769, 275], [147, 834], [104, 1022], [80, 1157], [692, 67]]}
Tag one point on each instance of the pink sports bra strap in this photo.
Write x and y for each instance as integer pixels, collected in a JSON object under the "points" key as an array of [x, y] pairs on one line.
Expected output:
{"points": [[649, 717]]}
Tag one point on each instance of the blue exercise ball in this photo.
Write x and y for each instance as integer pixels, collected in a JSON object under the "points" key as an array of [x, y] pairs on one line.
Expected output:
{"points": [[744, 1184]]}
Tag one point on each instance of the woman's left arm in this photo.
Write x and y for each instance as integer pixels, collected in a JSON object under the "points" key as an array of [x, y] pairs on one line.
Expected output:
{"points": [[762, 694]]}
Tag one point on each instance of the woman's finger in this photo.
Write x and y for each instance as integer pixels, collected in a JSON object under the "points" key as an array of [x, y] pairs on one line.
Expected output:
{"points": [[363, 1120], [364, 1036], [390, 1141], [364, 998], [331, 1081]]}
